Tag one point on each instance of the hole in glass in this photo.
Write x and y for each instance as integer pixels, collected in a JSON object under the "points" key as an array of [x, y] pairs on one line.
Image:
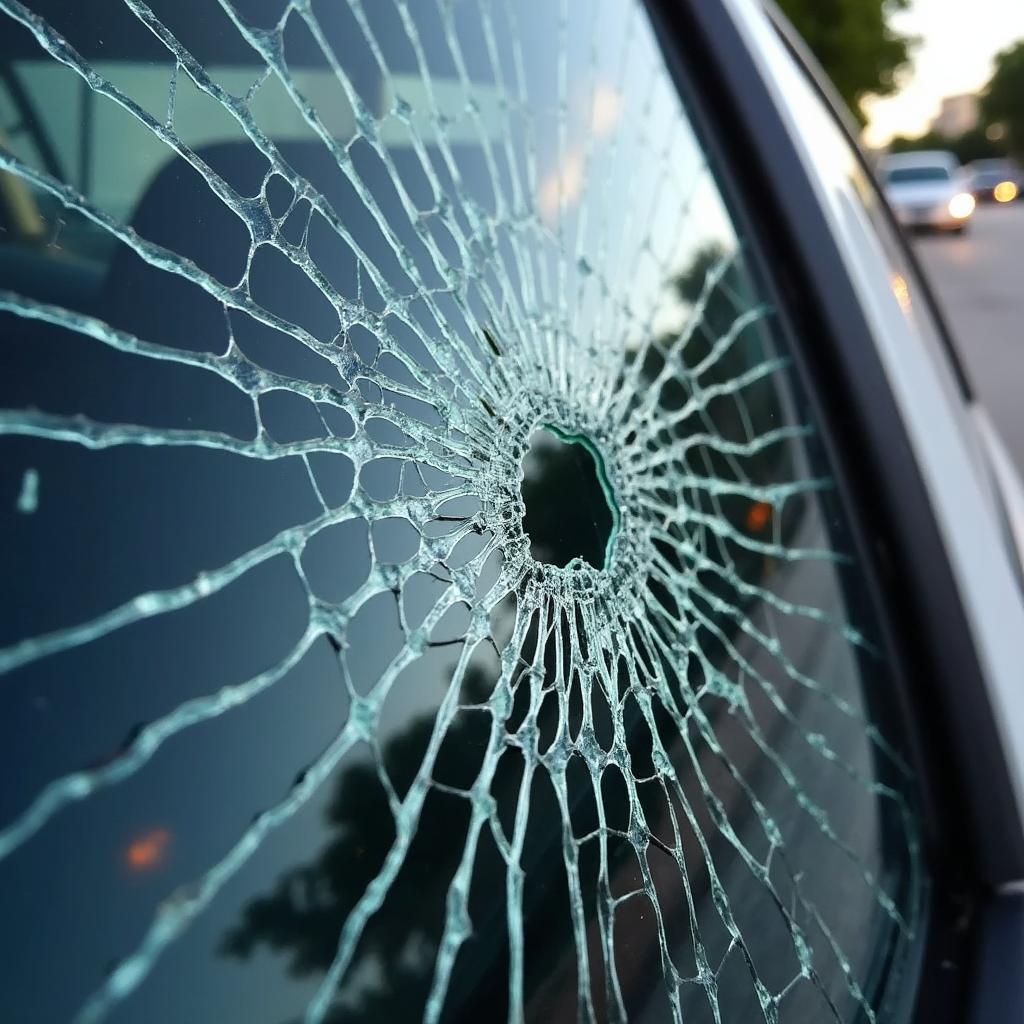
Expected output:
{"points": [[570, 508]]}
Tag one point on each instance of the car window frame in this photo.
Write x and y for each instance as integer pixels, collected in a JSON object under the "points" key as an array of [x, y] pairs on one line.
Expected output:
{"points": [[741, 126]]}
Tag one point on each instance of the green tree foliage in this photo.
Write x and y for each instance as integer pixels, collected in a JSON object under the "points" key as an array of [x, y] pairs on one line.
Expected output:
{"points": [[974, 144], [855, 44], [1003, 101]]}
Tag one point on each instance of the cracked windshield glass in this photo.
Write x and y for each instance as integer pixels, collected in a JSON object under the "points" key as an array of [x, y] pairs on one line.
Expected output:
{"points": [[425, 593]]}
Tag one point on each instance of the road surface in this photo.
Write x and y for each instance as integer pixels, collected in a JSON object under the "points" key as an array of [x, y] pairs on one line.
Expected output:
{"points": [[979, 282]]}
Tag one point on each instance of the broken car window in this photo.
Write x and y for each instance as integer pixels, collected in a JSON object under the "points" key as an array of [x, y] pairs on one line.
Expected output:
{"points": [[426, 595]]}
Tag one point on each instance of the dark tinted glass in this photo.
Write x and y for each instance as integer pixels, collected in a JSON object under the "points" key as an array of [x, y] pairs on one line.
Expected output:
{"points": [[424, 592], [910, 175]]}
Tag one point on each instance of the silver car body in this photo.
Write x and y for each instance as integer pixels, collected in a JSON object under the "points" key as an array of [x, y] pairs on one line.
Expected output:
{"points": [[974, 492], [923, 189]]}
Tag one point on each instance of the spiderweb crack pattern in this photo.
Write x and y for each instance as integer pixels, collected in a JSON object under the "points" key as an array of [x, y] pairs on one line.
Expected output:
{"points": [[527, 291]]}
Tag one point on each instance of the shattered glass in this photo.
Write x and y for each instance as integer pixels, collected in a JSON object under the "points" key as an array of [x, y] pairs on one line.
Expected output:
{"points": [[425, 593]]}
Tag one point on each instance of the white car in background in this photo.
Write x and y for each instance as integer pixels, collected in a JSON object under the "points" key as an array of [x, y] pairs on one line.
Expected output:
{"points": [[928, 190]]}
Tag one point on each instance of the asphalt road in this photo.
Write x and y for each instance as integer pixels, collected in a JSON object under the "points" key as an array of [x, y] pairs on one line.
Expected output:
{"points": [[979, 282]]}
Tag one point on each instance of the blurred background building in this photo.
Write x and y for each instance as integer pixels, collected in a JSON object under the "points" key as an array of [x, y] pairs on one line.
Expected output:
{"points": [[957, 114]]}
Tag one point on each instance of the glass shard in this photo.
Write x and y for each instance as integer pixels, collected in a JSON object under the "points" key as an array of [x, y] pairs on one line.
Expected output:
{"points": [[28, 496]]}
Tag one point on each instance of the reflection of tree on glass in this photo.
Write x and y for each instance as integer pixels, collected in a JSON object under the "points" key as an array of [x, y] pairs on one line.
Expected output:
{"points": [[736, 437], [305, 914], [566, 508], [391, 976]]}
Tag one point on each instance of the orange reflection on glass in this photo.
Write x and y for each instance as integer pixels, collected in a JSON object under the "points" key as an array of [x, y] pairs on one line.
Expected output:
{"points": [[901, 290], [1006, 192], [605, 110], [560, 189], [148, 851], [759, 515]]}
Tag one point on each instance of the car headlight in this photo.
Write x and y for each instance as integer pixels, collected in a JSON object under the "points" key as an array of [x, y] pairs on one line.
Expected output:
{"points": [[1006, 192], [961, 206]]}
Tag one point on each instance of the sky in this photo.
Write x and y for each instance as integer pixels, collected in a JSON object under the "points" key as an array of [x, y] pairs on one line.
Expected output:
{"points": [[958, 43]]}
